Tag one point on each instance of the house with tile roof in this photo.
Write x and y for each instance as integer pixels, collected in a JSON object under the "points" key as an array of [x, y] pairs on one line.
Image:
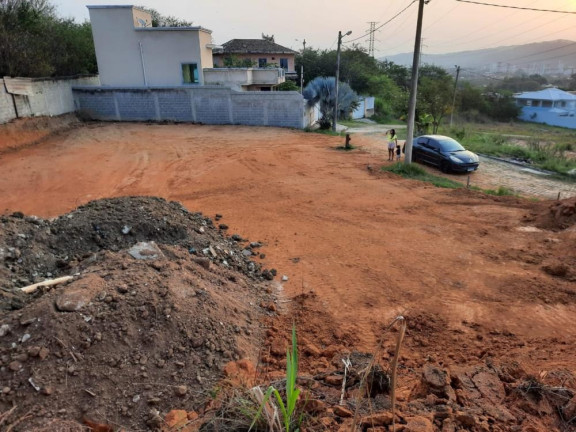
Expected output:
{"points": [[261, 53], [552, 106]]}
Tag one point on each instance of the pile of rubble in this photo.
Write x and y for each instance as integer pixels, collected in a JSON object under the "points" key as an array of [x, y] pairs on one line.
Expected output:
{"points": [[159, 301]]}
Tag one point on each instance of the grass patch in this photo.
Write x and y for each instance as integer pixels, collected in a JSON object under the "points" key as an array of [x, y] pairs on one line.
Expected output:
{"points": [[387, 120], [324, 132], [543, 146], [415, 172], [353, 123], [501, 191]]}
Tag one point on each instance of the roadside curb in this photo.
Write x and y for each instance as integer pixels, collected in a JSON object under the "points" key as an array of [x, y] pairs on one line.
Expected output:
{"points": [[520, 164]]}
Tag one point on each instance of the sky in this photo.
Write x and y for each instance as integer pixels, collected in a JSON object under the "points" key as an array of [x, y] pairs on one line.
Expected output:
{"points": [[448, 25]]}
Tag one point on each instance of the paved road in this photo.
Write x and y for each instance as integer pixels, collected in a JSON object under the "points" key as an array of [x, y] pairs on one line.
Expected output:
{"points": [[491, 174], [524, 181]]}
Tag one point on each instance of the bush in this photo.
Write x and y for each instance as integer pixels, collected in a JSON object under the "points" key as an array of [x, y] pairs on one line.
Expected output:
{"points": [[288, 86]]}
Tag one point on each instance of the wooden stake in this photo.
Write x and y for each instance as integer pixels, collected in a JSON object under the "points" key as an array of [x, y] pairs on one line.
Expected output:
{"points": [[49, 282]]}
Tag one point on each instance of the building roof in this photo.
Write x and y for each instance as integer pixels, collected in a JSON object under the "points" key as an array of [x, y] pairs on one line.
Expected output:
{"points": [[252, 46], [552, 94], [173, 29]]}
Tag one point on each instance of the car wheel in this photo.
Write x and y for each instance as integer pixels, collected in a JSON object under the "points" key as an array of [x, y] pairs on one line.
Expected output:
{"points": [[444, 167]]}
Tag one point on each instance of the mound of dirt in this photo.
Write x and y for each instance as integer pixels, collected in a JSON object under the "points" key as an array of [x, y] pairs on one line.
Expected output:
{"points": [[29, 131], [160, 302], [557, 216], [34, 249]]}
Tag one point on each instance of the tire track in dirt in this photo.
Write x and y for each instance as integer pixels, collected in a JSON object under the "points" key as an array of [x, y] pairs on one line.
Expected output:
{"points": [[371, 246]]}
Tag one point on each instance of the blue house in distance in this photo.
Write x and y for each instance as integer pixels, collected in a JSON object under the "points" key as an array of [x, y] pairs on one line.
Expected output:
{"points": [[551, 106]]}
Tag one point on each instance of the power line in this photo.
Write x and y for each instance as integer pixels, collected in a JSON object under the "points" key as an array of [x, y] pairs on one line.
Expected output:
{"points": [[379, 27], [516, 7], [492, 23]]}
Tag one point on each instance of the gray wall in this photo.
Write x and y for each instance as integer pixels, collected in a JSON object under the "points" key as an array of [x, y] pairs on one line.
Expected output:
{"points": [[206, 104], [32, 97]]}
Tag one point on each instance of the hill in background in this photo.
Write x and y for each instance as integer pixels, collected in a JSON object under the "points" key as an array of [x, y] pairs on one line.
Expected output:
{"points": [[552, 58]]}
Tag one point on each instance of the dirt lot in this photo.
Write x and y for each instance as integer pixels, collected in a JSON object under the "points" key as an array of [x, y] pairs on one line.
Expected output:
{"points": [[483, 282]]}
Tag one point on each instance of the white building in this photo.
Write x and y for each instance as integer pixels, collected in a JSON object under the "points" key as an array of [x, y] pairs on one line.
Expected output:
{"points": [[551, 106], [132, 53]]}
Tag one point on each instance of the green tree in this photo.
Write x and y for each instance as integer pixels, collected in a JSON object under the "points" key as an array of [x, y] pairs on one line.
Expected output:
{"points": [[288, 85], [233, 61], [502, 106], [391, 100], [401, 75], [36, 43], [159, 20], [521, 83], [356, 68], [387, 82], [435, 90]]}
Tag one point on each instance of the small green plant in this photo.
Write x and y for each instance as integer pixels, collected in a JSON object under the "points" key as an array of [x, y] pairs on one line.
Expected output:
{"points": [[500, 140], [287, 409], [416, 172], [501, 191], [459, 133]]}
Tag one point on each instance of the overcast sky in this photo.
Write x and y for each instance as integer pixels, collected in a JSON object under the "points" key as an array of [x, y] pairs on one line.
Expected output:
{"points": [[449, 25]]}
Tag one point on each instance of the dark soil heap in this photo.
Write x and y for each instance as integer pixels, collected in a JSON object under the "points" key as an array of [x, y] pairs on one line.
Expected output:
{"points": [[128, 339]]}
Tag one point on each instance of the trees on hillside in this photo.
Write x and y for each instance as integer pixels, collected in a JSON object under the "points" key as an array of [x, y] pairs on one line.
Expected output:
{"points": [[389, 83], [36, 43]]}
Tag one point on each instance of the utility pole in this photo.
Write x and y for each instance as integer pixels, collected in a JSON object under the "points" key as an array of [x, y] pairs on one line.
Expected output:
{"points": [[302, 67], [371, 38], [340, 36], [454, 94], [414, 84]]}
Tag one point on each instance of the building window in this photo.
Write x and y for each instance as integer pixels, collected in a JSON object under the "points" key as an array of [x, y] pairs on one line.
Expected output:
{"points": [[546, 104], [189, 73], [284, 63], [262, 62]]}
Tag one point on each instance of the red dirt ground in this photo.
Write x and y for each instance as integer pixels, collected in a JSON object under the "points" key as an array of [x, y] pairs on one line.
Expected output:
{"points": [[475, 276]]}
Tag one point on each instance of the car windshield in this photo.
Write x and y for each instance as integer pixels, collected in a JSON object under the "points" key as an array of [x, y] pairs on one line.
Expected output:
{"points": [[450, 145]]}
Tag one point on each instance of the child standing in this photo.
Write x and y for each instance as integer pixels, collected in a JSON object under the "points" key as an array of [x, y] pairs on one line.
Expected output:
{"points": [[398, 152], [392, 142]]}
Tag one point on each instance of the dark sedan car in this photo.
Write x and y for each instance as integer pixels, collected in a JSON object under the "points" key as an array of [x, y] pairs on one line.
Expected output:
{"points": [[445, 153]]}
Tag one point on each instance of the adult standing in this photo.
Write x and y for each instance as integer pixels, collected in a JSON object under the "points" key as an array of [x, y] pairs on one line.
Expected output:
{"points": [[392, 143]]}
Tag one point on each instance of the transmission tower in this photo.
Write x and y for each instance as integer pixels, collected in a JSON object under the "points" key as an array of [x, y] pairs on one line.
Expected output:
{"points": [[371, 40]]}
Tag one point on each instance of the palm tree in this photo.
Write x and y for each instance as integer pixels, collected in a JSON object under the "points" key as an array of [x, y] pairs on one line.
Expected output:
{"points": [[322, 91]]}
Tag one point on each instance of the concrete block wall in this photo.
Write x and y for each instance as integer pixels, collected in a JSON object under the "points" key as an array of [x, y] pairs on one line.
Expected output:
{"points": [[39, 96], [202, 104]]}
